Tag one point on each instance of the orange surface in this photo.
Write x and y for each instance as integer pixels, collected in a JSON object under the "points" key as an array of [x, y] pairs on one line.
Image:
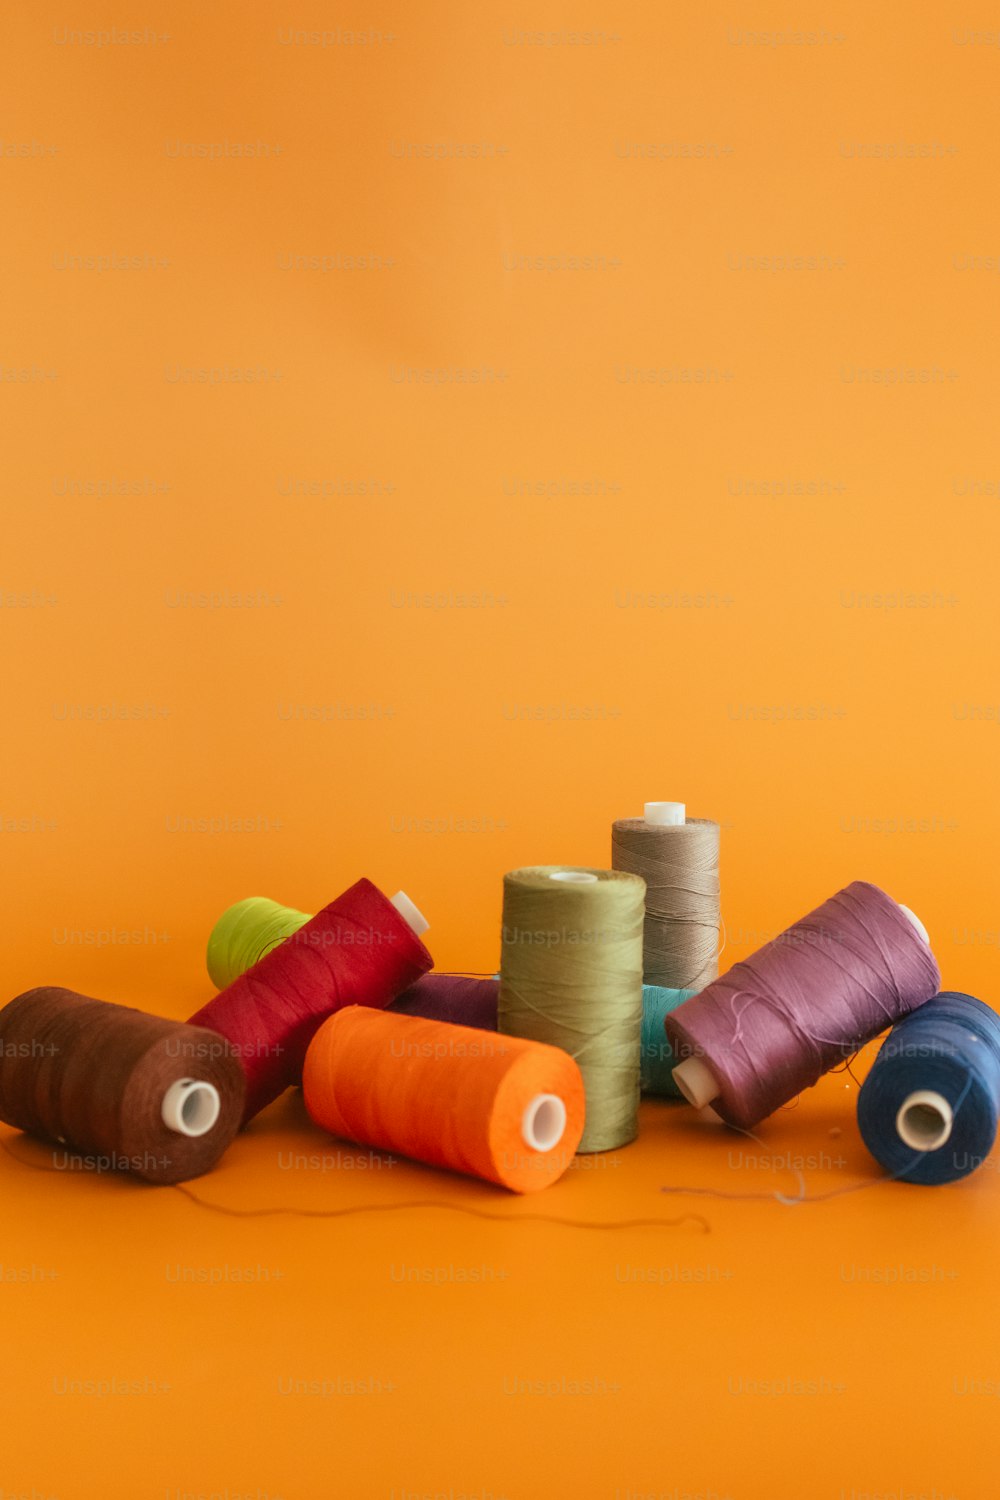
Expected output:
{"points": [[340, 621]]}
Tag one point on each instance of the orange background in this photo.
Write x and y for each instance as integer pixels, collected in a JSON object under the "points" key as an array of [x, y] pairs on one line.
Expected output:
{"points": [[759, 574]]}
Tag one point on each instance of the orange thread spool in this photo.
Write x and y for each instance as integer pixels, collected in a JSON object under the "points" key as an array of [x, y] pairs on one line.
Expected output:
{"points": [[498, 1107]]}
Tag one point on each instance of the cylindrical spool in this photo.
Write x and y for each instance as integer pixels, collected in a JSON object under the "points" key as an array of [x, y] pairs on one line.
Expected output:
{"points": [[929, 1107], [571, 976], [678, 858], [136, 1092], [251, 928], [358, 950], [506, 1110], [773, 1024], [657, 1057], [457, 998], [247, 931]]}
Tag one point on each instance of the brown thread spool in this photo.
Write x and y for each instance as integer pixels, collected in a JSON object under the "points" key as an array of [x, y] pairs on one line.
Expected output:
{"points": [[678, 858], [137, 1092]]}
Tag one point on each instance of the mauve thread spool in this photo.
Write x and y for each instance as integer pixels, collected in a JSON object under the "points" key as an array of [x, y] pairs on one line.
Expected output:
{"points": [[255, 926], [773, 1024], [678, 858], [362, 949], [154, 1097]]}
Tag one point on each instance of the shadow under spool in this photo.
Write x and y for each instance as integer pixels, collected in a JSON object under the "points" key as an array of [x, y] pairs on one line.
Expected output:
{"points": [[680, 864], [140, 1093]]}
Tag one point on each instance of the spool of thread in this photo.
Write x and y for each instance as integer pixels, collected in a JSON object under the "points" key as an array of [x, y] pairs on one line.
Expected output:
{"points": [[657, 1057], [571, 976], [678, 858], [254, 927], [136, 1092], [928, 1109], [246, 932], [455, 998], [773, 1024], [362, 949], [500, 1108]]}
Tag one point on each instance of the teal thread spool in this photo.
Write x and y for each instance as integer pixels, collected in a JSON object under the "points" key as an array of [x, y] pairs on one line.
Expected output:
{"points": [[657, 1058]]}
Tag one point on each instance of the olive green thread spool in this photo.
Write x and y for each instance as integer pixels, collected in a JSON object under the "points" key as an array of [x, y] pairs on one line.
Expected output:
{"points": [[678, 858], [571, 975]]}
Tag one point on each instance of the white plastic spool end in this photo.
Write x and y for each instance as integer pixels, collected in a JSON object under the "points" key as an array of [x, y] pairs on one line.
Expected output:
{"points": [[924, 1120], [911, 916], [410, 913], [543, 1122], [574, 877], [665, 814], [696, 1082], [191, 1106]]}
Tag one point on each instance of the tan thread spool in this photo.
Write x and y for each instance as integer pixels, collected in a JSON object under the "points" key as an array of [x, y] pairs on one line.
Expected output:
{"points": [[678, 857]]}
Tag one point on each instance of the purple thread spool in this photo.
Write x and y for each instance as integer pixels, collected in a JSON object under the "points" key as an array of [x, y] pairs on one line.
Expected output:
{"points": [[773, 1024], [452, 997]]}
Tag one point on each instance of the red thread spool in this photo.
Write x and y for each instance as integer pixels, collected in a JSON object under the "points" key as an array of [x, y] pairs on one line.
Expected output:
{"points": [[358, 950], [136, 1092]]}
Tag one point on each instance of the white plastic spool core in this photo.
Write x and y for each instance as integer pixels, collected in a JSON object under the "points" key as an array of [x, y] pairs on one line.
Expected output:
{"points": [[191, 1106], [924, 1120], [410, 913], [543, 1122], [665, 814], [696, 1082], [911, 916], [575, 877]]}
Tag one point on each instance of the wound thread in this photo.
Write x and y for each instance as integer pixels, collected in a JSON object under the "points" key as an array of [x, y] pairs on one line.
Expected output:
{"points": [[94, 1077], [680, 865], [929, 1107], [246, 932], [808, 1000], [252, 927], [257, 925], [496, 1107], [356, 951], [571, 977], [657, 1057]]}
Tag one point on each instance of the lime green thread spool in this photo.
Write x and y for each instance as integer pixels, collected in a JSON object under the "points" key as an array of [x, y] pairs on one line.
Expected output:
{"points": [[245, 932], [571, 975], [248, 930]]}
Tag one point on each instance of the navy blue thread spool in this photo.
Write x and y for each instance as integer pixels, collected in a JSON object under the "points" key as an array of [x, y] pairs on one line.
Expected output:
{"points": [[928, 1109]]}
